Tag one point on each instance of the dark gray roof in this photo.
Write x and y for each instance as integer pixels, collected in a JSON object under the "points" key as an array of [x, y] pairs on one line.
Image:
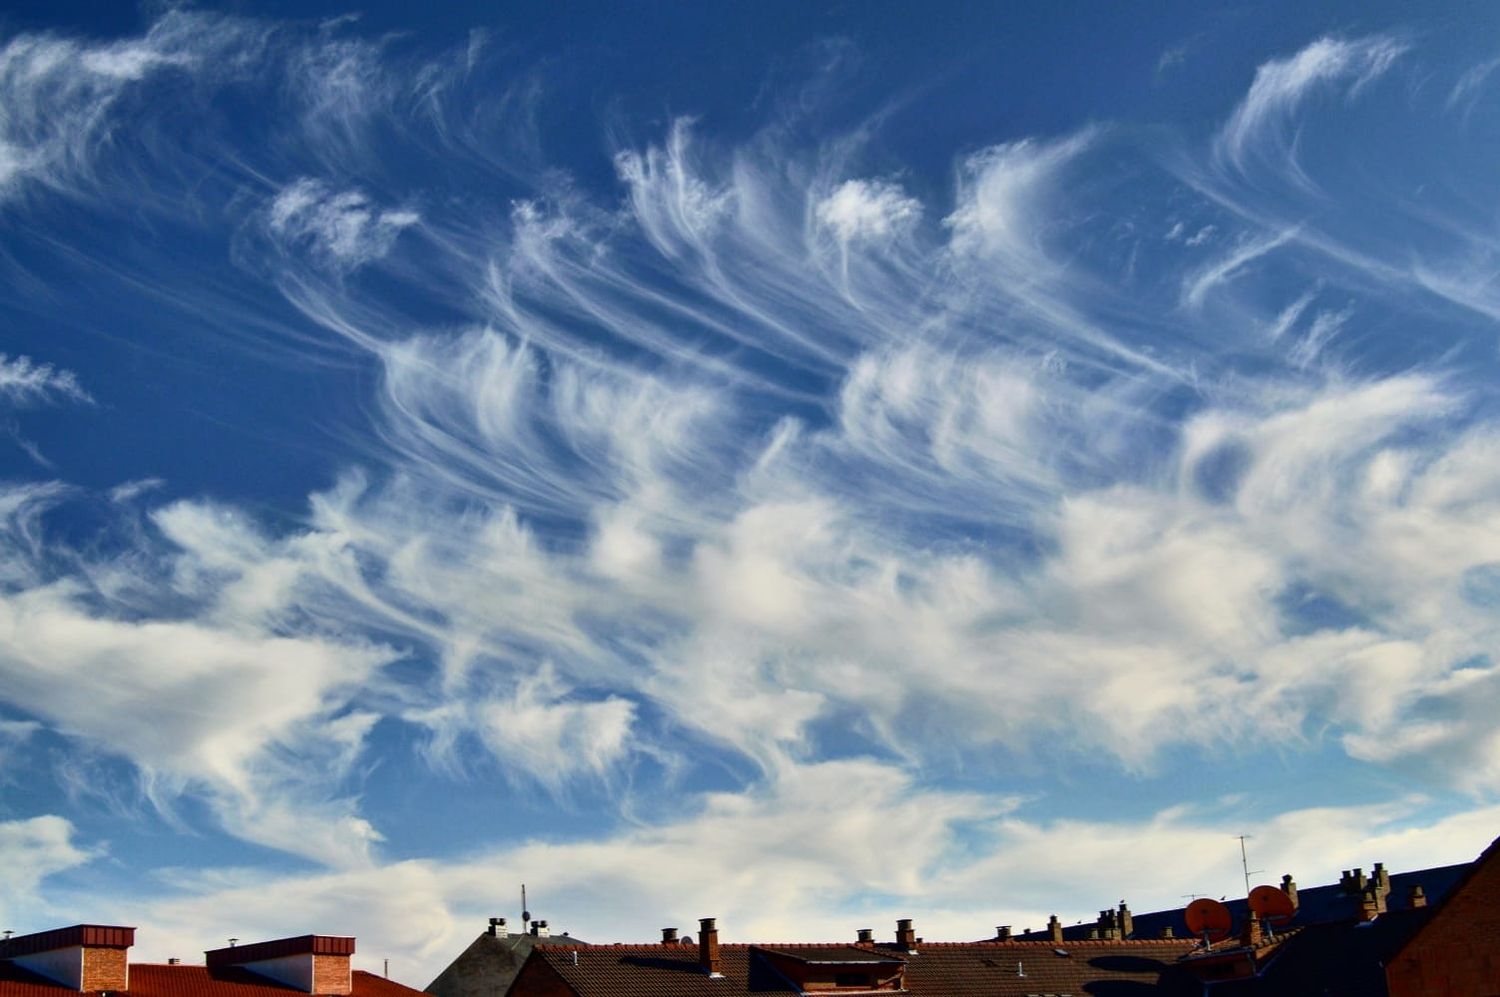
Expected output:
{"points": [[488, 966], [1315, 905]]}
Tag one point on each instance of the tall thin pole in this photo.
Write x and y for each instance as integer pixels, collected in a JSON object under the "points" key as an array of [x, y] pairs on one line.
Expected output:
{"points": [[1245, 861]]}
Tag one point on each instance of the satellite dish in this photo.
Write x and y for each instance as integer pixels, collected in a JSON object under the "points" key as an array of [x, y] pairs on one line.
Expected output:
{"points": [[1272, 904], [1208, 918]]}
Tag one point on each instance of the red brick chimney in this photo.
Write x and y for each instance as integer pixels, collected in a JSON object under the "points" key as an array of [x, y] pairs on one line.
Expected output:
{"points": [[83, 957], [313, 964], [1253, 932], [708, 946], [1054, 929], [906, 935]]}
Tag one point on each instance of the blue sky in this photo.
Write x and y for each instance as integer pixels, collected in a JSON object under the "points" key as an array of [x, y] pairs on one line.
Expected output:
{"points": [[802, 464]]}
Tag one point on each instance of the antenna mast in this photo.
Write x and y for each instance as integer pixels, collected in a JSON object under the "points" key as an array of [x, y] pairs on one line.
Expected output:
{"points": [[1245, 861], [525, 914]]}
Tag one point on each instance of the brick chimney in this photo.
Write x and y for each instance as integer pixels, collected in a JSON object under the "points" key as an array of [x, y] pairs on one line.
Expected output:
{"points": [[83, 957], [1289, 887], [1371, 902], [669, 936], [1382, 879], [1352, 882], [866, 936], [497, 928], [313, 964], [539, 929], [1168, 932], [1126, 921], [906, 935], [708, 947], [1253, 932], [1416, 896], [1002, 933], [1054, 929]]}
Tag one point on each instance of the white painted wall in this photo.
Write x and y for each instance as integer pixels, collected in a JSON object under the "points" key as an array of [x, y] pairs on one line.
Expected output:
{"points": [[293, 970], [63, 965]]}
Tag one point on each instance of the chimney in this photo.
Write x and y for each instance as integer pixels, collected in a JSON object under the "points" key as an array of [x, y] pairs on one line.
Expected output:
{"points": [[866, 935], [708, 946], [1167, 932], [313, 964], [906, 935], [174, 961], [1353, 883], [1289, 887], [497, 928], [1108, 925], [83, 957], [1416, 896], [669, 936], [1094, 933], [1002, 933], [539, 929], [1253, 933], [1126, 921], [1371, 902], [1054, 929], [1382, 879]]}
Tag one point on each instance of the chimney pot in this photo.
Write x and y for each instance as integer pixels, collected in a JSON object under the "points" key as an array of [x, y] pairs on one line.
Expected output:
{"points": [[906, 936], [708, 946], [1416, 896], [668, 936], [1289, 887], [174, 961], [867, 935], [1054, 929], [1002, 932]]}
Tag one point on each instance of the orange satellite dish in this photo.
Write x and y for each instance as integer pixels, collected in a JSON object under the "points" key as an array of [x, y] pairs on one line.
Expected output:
{"points": [[1206, 917], [1272, 903]]}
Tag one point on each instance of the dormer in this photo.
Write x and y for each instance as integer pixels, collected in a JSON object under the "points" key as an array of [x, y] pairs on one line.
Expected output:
{"points": [[84, 957], [313, 964], [834, 969]]}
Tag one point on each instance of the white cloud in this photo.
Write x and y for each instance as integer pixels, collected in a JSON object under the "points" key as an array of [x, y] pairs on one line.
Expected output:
{"points": [[24, 381], [867, 209], [32, 849], [342, 228], [1282, 85]]}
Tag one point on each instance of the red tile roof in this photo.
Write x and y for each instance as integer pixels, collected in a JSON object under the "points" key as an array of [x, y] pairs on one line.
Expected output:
{"points": [[952, 969], [158, 980]]}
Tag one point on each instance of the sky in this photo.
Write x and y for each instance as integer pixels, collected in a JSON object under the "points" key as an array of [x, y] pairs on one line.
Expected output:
{"points": [[800, 463]]}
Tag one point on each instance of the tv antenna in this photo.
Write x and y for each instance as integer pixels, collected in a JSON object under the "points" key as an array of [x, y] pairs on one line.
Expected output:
{"points": [[1245, 862]]}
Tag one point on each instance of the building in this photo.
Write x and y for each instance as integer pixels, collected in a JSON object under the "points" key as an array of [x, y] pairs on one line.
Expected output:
{"points": [[1456, 948], [94, 959], [487, 967], [1434, 932], [674, 968]]}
